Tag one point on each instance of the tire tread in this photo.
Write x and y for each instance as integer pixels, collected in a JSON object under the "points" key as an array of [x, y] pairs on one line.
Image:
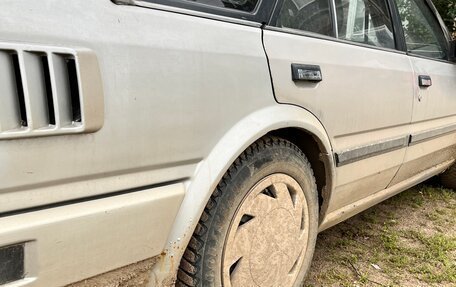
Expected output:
{"points": [[190, 273]]}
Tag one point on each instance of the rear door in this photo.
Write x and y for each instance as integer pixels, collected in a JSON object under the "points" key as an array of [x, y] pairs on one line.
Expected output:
{"points": [[353, 78], [434, 112]]}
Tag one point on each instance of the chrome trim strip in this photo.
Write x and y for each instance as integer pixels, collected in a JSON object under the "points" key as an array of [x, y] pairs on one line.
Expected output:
{"points": [[363, 152], [430, 134]]}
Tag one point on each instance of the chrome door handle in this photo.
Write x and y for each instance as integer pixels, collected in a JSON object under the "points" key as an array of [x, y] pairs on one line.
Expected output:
{"points": [[424, 81], [309, 73]]}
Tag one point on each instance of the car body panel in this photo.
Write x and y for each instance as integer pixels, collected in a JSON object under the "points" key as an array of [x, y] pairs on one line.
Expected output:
{"points": [[434, 115], [67, 243], [354, 208], [185, 93], [157, 73], [365, 98]]}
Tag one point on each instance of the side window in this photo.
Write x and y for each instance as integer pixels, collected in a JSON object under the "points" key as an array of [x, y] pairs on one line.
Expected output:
{"points": [[242, 5], [423, 34], [365, 21], [306, 15], [362, 21]]}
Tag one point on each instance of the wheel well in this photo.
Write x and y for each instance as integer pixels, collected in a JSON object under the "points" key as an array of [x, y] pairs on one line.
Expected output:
{"points": [[313, 149]]}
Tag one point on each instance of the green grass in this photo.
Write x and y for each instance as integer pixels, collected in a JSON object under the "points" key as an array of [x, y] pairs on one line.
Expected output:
{"points": [[412, 237]]}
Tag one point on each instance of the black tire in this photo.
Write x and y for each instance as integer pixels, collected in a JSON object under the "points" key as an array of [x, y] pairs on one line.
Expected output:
{"points": [[448, 178], [201, 263]]}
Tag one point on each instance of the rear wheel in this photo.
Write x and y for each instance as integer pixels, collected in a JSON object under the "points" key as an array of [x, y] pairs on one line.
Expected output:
{"points": [[260, 225]]}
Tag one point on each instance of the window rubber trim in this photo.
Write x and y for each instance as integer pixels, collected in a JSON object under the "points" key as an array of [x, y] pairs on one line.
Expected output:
{"points": [[260, 14], [278, 7], [398, 30], [331, 39]]}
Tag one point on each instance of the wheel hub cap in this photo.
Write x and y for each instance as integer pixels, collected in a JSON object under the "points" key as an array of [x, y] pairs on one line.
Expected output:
{"points": [[266, 241]]}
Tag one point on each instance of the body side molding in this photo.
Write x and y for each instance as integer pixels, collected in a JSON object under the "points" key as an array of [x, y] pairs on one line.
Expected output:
{"points": [[430, 134], [359, 153], [363, 152]]}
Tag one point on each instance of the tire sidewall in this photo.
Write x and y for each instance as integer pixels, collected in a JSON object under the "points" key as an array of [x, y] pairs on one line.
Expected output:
{"points": [[264, 162]]}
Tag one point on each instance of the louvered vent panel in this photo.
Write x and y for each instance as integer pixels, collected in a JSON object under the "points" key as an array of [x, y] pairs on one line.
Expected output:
{"points": [[10, 117], [35, 90], [41, 91], [61, 83]]}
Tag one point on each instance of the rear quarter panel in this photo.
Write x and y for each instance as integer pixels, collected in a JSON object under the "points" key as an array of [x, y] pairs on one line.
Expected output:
{"points": [[173, 84]]}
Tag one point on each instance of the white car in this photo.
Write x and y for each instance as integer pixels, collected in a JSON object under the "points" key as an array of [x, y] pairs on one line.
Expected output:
{"points": [[218, 136]]}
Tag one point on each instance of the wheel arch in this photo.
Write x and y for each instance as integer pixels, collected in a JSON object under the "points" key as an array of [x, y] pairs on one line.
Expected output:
{"points": [[320, 160], [287, 121]]}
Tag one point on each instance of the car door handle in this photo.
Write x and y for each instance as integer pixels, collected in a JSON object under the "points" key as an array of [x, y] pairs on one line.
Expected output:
{"points": [[424, 81], [309, 73]]}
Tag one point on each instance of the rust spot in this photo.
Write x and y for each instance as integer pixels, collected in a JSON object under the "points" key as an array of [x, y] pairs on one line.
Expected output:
{"points": [[171, 262]]}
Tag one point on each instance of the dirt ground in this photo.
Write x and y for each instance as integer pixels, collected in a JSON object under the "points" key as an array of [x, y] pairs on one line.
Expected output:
{"points": [[408, 240]]}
